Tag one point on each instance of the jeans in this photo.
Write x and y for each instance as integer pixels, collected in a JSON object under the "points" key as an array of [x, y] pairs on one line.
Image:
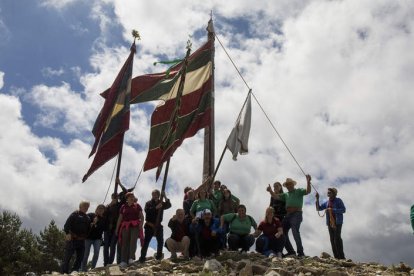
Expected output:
{"points": [[336, 241], [110, 240], [96, 247], [293, 221], [267, 246], [149, 233], [72, 247]]}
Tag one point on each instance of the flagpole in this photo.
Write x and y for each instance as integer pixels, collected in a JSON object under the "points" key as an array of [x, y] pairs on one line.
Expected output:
{"points": [[164, 183], [209, 133], [118, 169]]}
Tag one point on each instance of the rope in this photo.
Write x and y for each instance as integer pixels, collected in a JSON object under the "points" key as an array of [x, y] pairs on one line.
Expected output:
{"points": [[110, 182], [136, 181], [264, 112]]}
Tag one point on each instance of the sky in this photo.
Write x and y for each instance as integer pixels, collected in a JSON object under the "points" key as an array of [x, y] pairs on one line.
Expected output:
{"points": [[334, 77]]}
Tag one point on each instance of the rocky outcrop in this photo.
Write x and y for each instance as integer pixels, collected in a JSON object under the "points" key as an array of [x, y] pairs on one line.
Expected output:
{"points": [[249, 264]]}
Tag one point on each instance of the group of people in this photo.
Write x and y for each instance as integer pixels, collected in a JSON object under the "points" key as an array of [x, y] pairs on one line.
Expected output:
{"points": [[209, 221]]}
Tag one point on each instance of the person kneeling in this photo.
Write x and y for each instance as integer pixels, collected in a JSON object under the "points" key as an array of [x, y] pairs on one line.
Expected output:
{"points": [[207, 234], [179, 242], [239, 225], [272, 241]]}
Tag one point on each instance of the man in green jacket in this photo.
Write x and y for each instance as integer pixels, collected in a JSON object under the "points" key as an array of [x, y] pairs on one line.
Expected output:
{"points": [[412, 217], [293, 218]]}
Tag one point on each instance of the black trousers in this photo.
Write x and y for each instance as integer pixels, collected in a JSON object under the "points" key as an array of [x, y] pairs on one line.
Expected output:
{"points": [[336, 241], [72, 247], [149, 233]]}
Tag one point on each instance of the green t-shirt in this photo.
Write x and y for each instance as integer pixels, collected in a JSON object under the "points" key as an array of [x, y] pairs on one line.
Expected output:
{"points": [[200, 205], [217, 196], [240, 226], [293, 198]]}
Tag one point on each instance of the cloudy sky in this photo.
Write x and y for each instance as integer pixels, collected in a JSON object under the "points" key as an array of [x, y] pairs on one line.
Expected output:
{"points": [[334, 77]]}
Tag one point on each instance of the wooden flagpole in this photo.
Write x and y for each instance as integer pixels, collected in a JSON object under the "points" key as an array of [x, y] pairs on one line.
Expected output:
{"points": [[209, 133]]}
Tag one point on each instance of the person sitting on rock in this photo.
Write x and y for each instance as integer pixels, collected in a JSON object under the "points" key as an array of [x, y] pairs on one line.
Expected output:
{"points": [[200, 204], [179, 240], [272, 241], [207, 233], [334, 220], [239, 226]]}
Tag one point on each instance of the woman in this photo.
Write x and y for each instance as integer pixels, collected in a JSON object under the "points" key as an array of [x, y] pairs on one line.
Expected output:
{"points": [[129, 227], [227, 204], [240, 225], [278, 205], [201, 204], [272, 241], [95, 236]]}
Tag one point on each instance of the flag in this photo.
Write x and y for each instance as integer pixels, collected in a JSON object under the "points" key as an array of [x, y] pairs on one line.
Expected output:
{"points": [[239, 137], [113, 119], [192, 109]]}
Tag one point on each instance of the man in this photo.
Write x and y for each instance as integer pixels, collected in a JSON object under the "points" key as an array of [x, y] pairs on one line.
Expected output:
{"points": [[207, 233], [154, 210], [76, 228], [412, 217], [179, 240], [293, 218], [334, 220]]}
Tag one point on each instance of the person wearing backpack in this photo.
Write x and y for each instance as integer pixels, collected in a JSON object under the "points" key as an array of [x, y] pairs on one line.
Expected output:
{"points": [[240, 225]]}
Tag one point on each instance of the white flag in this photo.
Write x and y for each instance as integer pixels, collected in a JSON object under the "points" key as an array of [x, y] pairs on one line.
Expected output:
{"points": [[239, 137]]}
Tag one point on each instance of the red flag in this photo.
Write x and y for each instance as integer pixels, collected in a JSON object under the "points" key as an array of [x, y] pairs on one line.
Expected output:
{"points": [[183, 112], [113, 120]]}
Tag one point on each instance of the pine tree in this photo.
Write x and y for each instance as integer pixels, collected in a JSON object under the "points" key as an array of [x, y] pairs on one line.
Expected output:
{"points": [[52, 245], [19, 252]]}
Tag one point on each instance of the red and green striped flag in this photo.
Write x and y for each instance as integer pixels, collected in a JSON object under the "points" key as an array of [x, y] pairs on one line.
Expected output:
{"points": [[193, 112], [113, 120]]}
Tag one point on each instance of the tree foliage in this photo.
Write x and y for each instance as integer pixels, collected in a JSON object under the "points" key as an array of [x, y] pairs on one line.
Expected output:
{"points": [[22, 251]]}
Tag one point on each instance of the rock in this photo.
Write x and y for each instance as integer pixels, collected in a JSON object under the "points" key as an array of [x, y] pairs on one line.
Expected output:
{"points": [[212, 265], [325, 255], [259, 269], [246, 271], [113, 270], [235, 263]]}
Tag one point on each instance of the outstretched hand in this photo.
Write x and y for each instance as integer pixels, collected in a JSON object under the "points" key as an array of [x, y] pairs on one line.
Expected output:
{"points": [[269, 188], [317, 195], [308, 178]]}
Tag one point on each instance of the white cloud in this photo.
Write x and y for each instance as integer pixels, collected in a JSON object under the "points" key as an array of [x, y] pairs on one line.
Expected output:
{"points": [[58, 4], [50, 72], [1, 79]]}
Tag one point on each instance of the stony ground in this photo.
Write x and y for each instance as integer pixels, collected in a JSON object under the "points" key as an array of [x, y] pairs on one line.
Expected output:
{"points": [[249, 264]]}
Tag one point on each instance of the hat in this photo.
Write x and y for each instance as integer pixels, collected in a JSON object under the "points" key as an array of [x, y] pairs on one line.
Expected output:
{"points": [[333, 190], [289, 181]]}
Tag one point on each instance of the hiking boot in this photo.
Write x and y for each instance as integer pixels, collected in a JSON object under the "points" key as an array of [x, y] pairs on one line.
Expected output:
{"points": [[141, 260], [123, 265]]}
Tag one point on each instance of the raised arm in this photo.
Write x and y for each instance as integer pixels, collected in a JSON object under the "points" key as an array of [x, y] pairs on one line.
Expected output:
{"points": [[308, 186]]}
